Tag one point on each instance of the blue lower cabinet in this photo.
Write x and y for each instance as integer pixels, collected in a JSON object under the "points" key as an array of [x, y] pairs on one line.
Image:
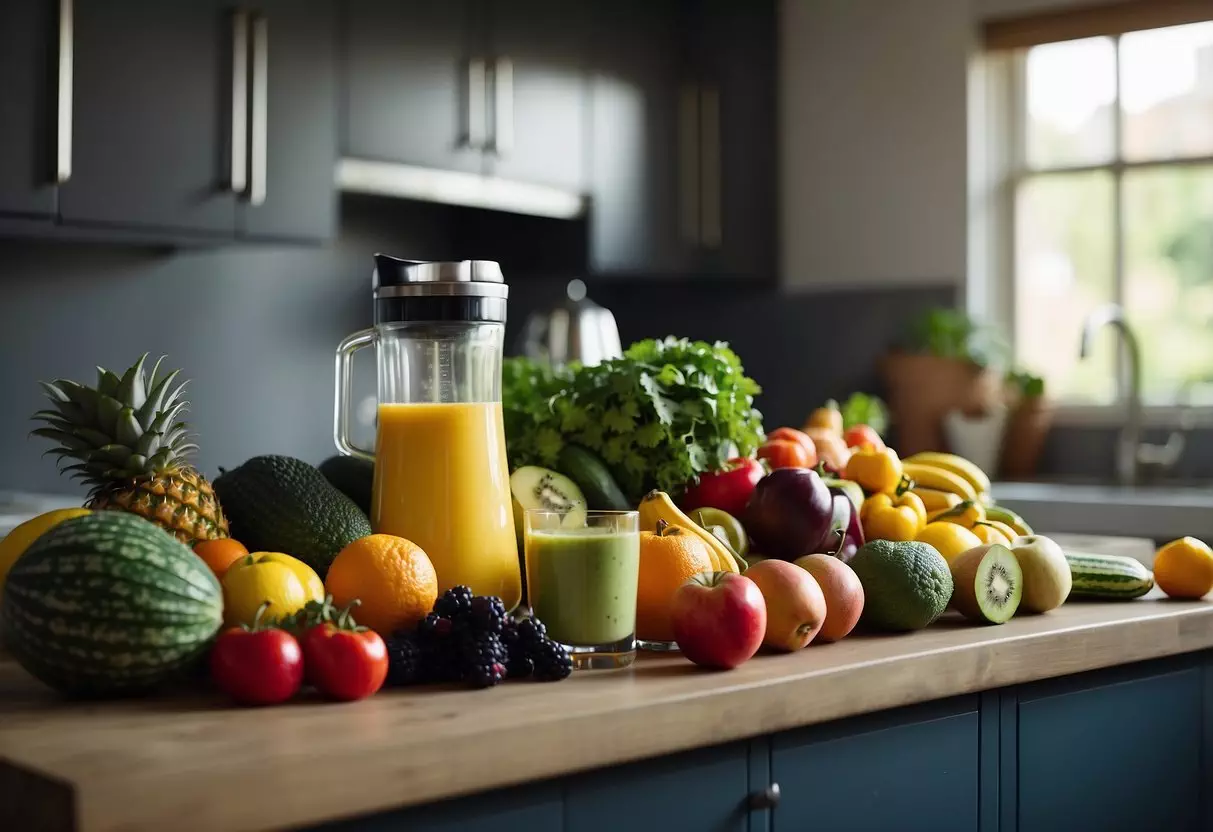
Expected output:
{"points": [[916, 768], [1111, 754], [533, 808], [700, 791]]}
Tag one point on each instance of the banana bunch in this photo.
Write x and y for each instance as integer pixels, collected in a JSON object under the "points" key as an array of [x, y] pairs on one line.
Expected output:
{"points": [[943, 481]]}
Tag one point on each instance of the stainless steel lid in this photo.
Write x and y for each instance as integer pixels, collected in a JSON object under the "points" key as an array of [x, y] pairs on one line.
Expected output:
{"points": [[462, 290]]}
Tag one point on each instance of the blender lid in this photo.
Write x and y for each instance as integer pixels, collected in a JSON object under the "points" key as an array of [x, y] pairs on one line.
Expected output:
{"points": [[471, 291]]}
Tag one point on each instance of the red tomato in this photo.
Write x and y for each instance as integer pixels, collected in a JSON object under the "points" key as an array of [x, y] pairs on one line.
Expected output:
{"points": [[859, 435], [795, 436], [728, 490], [344, 664], [257, 667], [784, 453]]}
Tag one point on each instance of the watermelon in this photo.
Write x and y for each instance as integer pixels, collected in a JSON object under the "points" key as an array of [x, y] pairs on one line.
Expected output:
{"points": [[109, 604]]}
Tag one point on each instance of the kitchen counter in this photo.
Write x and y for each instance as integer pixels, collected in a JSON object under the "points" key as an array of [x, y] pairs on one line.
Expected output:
{"points": [[195, 763]]}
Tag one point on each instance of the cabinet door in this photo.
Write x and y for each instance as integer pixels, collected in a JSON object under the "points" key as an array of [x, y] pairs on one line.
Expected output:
{"points": [[1124, 755], [28, 39], [533, 808], [299, 198], [152, 116], [538, 91], [700, 791], [643, 152], [912, 769], [407, 92]]}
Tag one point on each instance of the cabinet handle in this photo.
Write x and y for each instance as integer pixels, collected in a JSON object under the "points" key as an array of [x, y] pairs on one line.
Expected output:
{"points": [[503, 114], [711, 230], [766, 799], [239, 177], [260, 110], [63, 145], [688, 162], [477, 103]]}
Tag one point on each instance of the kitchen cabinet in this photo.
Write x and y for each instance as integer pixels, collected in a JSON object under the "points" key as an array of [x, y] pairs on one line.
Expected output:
{"points": [[536, 808], [28, 51]]}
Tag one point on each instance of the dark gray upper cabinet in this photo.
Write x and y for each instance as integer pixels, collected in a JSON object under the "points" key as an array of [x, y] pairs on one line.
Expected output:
{"points": [[538, 91], [298, 199], [28, 34], [415, 83], [152, 116]]}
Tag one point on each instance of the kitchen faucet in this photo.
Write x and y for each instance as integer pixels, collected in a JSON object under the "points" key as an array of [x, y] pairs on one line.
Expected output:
{"points": [[1129, 441]]}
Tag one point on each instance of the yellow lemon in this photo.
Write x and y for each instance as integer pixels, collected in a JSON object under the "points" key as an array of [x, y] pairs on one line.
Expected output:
{"points": [[1184, 568], [950, 539], [21, 538], [989, 533], [247, 587], [306, 575]]}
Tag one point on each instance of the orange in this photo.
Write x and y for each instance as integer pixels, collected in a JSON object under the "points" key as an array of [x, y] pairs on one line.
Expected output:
{"points": [[1184, 568], [220, 554], [668, 557], [392, 577]]}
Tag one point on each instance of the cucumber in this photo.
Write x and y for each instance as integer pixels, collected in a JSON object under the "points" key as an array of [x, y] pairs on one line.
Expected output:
{"points": [[590, 473], [1108, 576]]}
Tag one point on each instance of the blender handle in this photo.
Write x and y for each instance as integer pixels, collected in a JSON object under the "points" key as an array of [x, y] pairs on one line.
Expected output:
{"points": [[341, 416]]}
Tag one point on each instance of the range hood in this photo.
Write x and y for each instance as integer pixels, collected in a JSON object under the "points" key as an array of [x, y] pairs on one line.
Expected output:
{"points": [[364, 176]]}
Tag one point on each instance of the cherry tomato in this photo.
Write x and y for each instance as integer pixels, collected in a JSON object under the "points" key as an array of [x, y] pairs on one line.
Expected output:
{"points": [[795, 436], [859, 435], [785, 453], [728, 490], [344, 663], [257, 665]]}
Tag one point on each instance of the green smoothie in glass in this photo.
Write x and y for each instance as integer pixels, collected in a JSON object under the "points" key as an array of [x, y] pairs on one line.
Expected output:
{"points": [[581, 583]]}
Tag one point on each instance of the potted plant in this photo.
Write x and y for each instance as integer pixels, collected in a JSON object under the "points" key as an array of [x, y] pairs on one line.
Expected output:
{"points": [[1031, 416], [946, 366]]}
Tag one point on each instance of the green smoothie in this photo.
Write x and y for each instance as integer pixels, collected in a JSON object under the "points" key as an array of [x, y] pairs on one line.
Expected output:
{"points": [[582, 583]]}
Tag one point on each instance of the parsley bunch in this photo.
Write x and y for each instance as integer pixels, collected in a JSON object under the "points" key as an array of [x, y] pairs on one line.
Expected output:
{"points": [[663, 413]]}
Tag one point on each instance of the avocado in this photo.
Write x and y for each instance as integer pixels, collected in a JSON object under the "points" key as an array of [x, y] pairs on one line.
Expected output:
{"points": [[282, 504], [353, 477], [906, 584]]}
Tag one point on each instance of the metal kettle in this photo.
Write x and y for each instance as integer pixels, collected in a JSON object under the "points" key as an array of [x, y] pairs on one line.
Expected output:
{"points": [[577, 329]]}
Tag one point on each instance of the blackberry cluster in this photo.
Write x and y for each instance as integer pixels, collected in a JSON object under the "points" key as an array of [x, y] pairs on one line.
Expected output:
{"points": [[472, 639]]}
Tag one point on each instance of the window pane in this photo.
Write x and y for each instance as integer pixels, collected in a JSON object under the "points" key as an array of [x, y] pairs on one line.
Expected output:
{"points": [[1071, 101], [1168, 224], [1064, 268], [1167, 92]]}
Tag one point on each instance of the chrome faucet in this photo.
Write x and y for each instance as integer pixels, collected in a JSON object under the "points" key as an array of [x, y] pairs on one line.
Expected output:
{"points": [[1128, 444]]}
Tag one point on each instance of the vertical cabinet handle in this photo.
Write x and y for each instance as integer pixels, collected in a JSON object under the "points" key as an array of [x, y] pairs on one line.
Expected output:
{"points": [[503, 113], [688, 163], [766, 799], [260, 111], [477, 103], [239, 173], [63, 142], [711, 231]]}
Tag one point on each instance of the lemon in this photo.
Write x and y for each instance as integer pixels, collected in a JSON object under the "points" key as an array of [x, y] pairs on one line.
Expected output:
{"points": [[306, 574], [21, 538], [246, 587], [950, 539]]}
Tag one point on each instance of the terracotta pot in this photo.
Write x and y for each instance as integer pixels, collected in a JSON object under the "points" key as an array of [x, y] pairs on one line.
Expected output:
{"points": [[1027, 429], [923, 388]]}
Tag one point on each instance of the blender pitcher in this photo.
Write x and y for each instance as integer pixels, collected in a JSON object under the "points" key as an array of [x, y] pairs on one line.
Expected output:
{"points": [[441, 476]]}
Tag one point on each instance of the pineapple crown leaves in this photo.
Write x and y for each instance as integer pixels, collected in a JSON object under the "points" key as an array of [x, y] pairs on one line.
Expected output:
{"points": [[125, 427]]}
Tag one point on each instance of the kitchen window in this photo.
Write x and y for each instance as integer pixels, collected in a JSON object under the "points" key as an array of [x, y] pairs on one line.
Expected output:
{"points": [[1099, 159]]}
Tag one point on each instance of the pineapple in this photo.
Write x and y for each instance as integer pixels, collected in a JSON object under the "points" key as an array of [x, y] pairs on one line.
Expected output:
{"points": [[128, 445]]}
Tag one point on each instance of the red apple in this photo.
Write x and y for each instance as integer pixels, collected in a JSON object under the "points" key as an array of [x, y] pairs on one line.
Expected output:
{"points": [[796, 606], [728, 490], [719, 619], [842, 591]]}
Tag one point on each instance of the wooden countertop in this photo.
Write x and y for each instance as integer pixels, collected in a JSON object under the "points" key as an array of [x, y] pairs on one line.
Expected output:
{"points": [[198, 764]]}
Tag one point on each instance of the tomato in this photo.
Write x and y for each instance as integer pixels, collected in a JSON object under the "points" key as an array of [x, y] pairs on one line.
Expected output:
{"points": [[794, 435], [256, 665], [859, 435], [728, 490], [785, 453], [343, 662]]}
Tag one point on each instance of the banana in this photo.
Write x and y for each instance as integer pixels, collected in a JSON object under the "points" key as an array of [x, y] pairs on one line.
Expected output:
{"points": [[1005, 515], [932, 476], [657, 505], [936, 500], [957, 465]]}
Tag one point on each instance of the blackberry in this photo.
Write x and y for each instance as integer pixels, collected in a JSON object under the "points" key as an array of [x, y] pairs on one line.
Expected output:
{"points": [[531, 631], [439, 661], [552, 662], [454, 603], [520, 666], [509, 632], [404, 656], [433, 627], [483, 660], [486, 614]]}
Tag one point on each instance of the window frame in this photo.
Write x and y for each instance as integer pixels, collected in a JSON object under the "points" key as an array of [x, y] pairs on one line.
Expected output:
{"points": [[998, 169]]}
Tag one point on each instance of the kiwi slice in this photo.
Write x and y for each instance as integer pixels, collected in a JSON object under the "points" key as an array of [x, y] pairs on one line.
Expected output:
{"points": [[535, 487], [988, 584]]}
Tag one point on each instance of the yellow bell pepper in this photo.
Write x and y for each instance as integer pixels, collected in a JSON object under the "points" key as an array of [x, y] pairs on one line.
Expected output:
{"points": [[968, 514], [876, 470], [892, 517]]}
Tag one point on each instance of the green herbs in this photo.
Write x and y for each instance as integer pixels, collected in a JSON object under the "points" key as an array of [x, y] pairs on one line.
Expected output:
{"points": [[665, 412], [1025, 384], [865, 409], [950, 333]]}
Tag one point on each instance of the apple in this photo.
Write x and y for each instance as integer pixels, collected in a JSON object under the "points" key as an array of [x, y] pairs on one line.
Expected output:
{"points": [[719, 619], [728, 490], [842, 591], [796, 606], [1046, 573]]}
